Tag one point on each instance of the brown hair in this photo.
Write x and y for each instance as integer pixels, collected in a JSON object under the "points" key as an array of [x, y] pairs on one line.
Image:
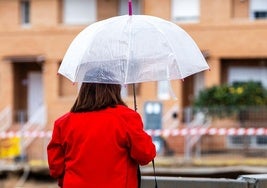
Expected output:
{"points": [[97, 96]]}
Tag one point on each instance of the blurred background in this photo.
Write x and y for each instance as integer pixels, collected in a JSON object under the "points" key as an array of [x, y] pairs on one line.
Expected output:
{"points": [[218, 121]]}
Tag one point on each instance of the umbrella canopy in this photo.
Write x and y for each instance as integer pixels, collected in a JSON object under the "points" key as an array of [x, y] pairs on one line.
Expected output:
{"points": [[133, 49]]}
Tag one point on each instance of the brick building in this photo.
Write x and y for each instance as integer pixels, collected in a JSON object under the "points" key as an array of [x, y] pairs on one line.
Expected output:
{"points": [[34, 35]]}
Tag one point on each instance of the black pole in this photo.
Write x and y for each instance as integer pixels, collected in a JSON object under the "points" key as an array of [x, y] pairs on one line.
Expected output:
{"points": [[134, 95], [138, 168]]}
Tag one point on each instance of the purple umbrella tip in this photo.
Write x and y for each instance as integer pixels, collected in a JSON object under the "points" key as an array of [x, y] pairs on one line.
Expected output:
{"points": [[130, 7]]}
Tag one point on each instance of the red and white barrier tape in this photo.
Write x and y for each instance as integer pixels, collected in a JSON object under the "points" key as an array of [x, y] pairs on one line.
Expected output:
{"points": [[34, 134], [164, 132], [209, 131]]}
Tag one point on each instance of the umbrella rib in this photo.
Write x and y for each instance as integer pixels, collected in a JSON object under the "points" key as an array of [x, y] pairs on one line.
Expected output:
{"points": [[100, 27], [171, 47], [129, 50]]}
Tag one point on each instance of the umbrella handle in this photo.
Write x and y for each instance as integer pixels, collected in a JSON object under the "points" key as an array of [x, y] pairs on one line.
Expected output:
{"points": [[134, 96], [130, 8]]}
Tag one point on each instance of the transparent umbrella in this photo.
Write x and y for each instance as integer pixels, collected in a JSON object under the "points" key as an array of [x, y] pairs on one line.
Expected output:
{"points": [[133, 49]]}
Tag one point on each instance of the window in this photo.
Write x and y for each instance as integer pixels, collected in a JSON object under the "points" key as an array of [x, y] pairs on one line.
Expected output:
{"points": [[185, 10], [25, 12], [236, 141], [199, 83], [127, 90], [245, 74], [164, 90], [250, 142], [258, 9], [261, 140], [76, 12], [123, 7]]}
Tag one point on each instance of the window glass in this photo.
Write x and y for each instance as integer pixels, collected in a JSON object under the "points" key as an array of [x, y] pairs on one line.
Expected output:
{"points": [[247, 73], [76, 12], [185, 10], [199, 83], [164, 90], [261, 140], [258, 9], [25, 12]]}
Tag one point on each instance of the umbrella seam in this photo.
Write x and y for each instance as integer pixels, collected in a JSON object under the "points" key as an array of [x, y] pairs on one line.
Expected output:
{"points": [[169, 45], [129, 51], [101, 26]]}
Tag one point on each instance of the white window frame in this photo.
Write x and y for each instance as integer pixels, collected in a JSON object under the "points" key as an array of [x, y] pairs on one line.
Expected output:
{"points": [[25, 11], [257, 6], [185, 10], [199, 83], [79, 12], [246, 73], [163, 90]]}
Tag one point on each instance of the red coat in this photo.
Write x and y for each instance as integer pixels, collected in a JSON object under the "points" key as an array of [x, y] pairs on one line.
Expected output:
{"points": [[99, 149]]}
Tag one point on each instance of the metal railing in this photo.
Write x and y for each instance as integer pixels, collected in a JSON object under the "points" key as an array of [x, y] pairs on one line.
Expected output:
{"points": [[5, 118], [14, 142], [35, 123], [200, 120]]}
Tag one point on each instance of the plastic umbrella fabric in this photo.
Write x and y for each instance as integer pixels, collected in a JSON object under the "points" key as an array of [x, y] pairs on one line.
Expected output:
{"points": [[132, 49]]}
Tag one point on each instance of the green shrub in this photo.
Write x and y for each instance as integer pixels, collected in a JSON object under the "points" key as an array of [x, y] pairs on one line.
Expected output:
{"points": [[234, 97]]}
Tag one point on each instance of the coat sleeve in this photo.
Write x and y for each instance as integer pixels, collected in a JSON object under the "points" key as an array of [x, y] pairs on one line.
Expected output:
{"points": [[141, 146], [55, 155]]}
